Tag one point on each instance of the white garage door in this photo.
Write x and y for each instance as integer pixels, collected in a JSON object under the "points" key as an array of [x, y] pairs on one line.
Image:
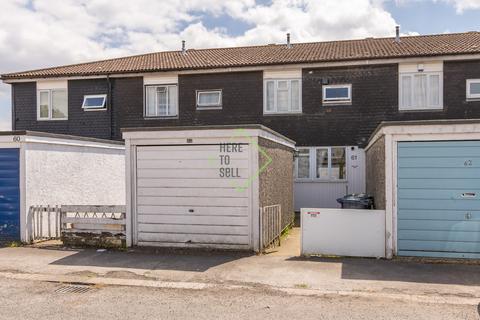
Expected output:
{"points": [[193, 195]]}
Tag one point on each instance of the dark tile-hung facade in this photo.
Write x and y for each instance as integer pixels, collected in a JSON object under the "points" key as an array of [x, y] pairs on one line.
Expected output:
{"points": [[95, 124], [374, 99]]}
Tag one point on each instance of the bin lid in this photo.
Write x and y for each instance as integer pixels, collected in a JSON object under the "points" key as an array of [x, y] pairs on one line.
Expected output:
{"points": [[355, 197]]}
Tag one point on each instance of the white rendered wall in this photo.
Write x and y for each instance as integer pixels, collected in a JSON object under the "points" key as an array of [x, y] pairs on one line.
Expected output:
{"points": [[57, 174], [343, 232]]}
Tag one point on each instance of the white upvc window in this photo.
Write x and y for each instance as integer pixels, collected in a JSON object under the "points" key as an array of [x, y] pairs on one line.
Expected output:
{"points": [[421, 91], [337, 94], [209, 99], [321, 163], [473, 89], [52, 104], [282, 96], [161, 101], [94, 102]]}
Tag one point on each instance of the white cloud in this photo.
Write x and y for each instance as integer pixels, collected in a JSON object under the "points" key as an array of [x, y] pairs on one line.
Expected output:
{"points": [[463, 5], [460, 5], [41, 33]]}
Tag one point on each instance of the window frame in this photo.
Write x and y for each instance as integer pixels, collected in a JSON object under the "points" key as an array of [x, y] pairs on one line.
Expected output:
{"points": [[275, 111], [313, 165], [50, 104], [469, 95], [165, 85], [428, 106], [219, 105], [331, 101], [96, 108]]}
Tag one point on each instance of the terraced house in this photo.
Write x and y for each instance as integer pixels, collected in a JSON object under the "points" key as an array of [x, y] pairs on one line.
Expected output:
{"points": [[327, 96]]}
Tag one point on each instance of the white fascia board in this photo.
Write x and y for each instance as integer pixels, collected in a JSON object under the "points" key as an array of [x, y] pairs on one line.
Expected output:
{"points": [[52, 84], [427, 66], [180, 136], [70, 142], [160, 78], [273, 67], [295, 73], [440, 131]]}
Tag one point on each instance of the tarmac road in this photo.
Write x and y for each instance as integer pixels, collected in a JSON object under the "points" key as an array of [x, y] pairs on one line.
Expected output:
{"points": [[24, 299]]}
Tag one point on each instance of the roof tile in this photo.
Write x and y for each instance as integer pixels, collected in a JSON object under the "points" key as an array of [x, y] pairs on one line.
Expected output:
{"points": [[370, 48]]}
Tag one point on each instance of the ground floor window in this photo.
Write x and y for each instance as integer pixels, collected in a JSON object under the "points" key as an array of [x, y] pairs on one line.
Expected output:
{"points": [[321, 163]]}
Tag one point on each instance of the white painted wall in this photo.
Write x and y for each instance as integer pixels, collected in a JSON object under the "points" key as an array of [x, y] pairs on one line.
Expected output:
{"points": [[324, 194], [66, 174], [343, 232]]}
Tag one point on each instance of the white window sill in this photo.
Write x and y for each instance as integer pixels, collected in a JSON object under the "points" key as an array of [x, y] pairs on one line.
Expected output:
{"points": [[336, 103], [421, 109], [282, 113], [59, 119], [201, 108], [473, 99], [160, 117], [95, 109], [319, 181]]}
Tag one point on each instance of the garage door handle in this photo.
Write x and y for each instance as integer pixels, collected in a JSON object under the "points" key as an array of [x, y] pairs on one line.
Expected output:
{"points": [[191, 210], [468, 195]]}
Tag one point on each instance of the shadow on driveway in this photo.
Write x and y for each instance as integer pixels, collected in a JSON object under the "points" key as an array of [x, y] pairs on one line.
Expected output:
{"points": [[178, 260], [403, 270]]}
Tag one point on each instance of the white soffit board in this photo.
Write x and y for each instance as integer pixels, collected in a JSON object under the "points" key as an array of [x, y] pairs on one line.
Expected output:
{"points": [[160, 78], [52, 84], [283, 74], [426, 66]]}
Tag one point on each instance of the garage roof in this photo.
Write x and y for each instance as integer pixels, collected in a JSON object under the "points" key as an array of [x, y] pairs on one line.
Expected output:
{"points": [[57, 136], [196, 59]]}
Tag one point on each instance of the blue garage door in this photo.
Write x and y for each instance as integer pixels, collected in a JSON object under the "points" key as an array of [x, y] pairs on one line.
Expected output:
{"points": [[439, 199], [9, 196]]}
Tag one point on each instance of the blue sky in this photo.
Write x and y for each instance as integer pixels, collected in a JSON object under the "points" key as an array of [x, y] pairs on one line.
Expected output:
{"points": [[35, 34]]}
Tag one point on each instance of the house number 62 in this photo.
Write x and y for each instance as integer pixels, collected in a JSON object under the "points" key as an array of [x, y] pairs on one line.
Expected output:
{"points": [[468, 163]]}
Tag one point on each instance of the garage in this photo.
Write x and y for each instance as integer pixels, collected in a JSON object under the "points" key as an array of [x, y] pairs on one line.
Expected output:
{"points": [[205, 186], [426, 175], [43, 169], [9, 195], [439, 198]]}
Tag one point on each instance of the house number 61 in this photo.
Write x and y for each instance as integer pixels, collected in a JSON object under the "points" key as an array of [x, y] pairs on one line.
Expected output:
{"points": [[468, 163]]}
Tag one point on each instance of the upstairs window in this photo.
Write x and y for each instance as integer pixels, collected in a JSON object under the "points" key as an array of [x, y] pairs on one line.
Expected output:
{"points": [[161, 101], [322, 163], [209, 99], [52, 104], [282, 96], [473, 89], [94, 102], [420, 86], [337, 94]]}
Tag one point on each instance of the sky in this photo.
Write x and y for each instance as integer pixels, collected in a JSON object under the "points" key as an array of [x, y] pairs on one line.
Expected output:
{"points": [[43, 33]]}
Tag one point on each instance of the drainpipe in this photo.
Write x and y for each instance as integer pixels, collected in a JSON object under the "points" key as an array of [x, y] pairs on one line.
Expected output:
{"points": [[13, 107], [109, 106]]}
